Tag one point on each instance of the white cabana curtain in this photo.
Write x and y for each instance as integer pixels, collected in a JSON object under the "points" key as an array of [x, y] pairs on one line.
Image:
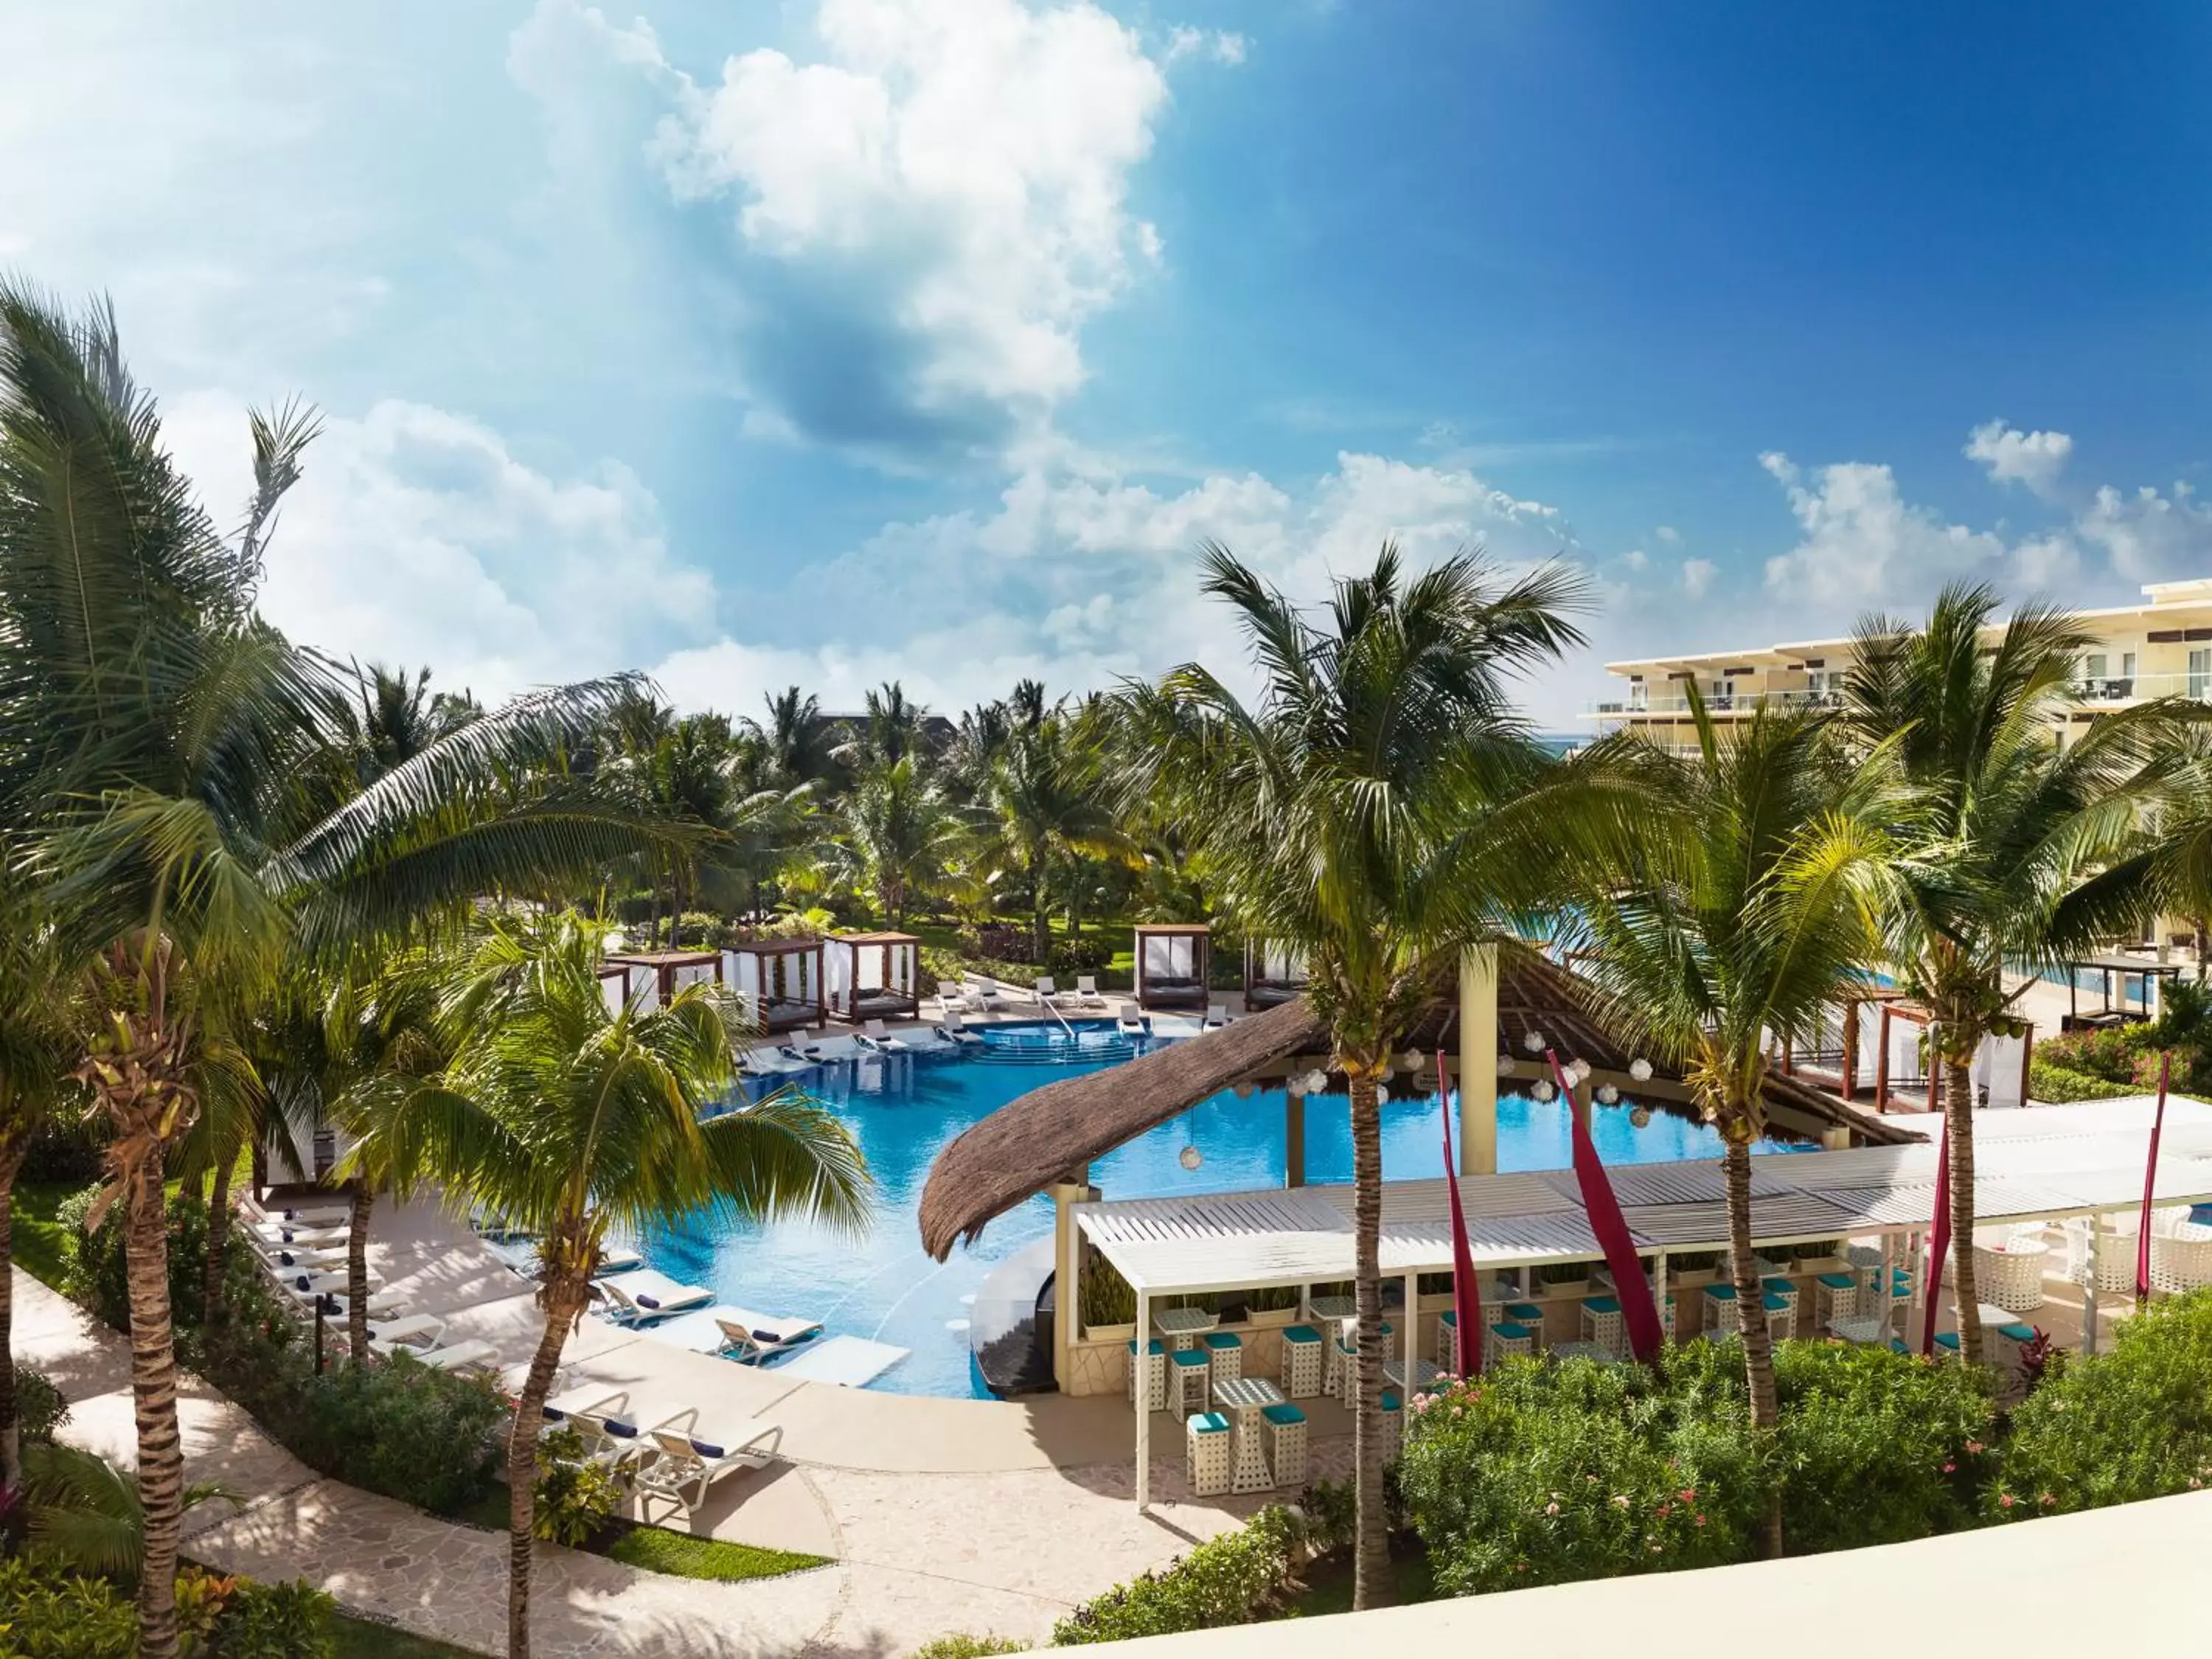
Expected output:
{"points": [[645, 988], [867, 962], [612, 988], [839, 968], [1169, 955], [1281, 965], [1997, 1066], [1906, 1069], [693, 975], [741, 973]]}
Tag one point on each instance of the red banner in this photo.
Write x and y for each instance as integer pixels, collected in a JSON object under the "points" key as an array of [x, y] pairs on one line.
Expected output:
{"points": [[1632, 1289], [1467, 1295], [1939, 1240], [2150, 1182]]}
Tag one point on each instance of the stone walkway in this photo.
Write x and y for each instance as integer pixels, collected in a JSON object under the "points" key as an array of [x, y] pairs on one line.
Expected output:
{"points": [[915, 1555]]}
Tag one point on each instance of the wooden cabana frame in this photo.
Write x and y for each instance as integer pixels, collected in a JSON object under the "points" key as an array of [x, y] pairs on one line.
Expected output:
{"points": [[2107, 966], [1175, 962], [662, 972], [874, 976], [1274, 973], [780, 981]]}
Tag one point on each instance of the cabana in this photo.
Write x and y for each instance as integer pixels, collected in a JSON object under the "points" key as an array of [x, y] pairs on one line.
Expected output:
{"points": [[779, 980], [658, 975], [874, 976], [1173, 963], [1274, 973], [1875, 1038], [2107, 967], [2082, 1164]]}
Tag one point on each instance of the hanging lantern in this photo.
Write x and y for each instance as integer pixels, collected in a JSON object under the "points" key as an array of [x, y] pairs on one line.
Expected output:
{"points": [[1411, 1061], [1504, 1066], [1543, 1090], [1382, 1093], [1607, 1095], [1245, 1087], [1191, 1157], [1640, 1069], [1316, 1081], [1534, 1043], [1295, 1085], [1640, 1116]]}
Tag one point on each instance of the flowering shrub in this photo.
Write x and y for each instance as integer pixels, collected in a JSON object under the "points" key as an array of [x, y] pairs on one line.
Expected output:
{"points": [[1540, 1475], [1229, 1580], [2133, 1423]]}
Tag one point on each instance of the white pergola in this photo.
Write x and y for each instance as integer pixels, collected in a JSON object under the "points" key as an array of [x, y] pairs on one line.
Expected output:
{"points": [[2039, 1163]]}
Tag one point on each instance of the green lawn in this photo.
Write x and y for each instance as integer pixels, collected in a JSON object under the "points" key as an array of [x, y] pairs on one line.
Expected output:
{"points": [[1328, 1585], [656, 1549], [37, 1235], [360, 1639]]}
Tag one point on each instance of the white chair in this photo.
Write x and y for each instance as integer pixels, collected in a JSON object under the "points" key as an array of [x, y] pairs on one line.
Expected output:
{"points": [[602, 1421], [983, 993], [1217, 1013], [1131, 1024], [1189, 1381], [685, 1464], [875, 1036], [642, 1295], [2181, 1259], [1154, 1367], [953, 1030], [753, 1339], [1207, 1443], [471, 1356], [416, 1331], [1047, 993], [952, 998], [1086, 995], [1302, 1356], [2010, 1271], [1286, 1431]]}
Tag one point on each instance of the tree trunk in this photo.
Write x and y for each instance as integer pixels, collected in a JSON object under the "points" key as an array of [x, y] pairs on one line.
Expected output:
{"points": [[1040, 909], [1371, 1585], [1959, 1119], [213, 1307], [364, 1203], [564, 1301], [154, 1394], [1750, 1316], [11, 1442]]}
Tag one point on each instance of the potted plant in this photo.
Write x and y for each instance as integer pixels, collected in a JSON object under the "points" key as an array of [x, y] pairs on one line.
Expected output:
{"points": [[1693, 1268], [1563, 1281], [1435, 1290], [1107, 1304], [1822, 1255], [1273, 1307]]}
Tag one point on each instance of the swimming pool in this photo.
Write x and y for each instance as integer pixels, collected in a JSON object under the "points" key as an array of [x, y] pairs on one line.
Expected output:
{"points": [[905, 1109]]}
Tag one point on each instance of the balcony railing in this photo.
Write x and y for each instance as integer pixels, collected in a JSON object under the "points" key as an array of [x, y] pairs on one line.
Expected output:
{"points": [[2115, 692]]}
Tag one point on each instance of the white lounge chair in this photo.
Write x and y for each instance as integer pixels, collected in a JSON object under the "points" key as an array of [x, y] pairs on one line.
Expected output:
{"points": [[298, 1258], [1217, 1013], [1086, 993], [307, 1289], [955, 1030], [295, 1216], [282, 1233], [951, 997], [619, 1259], [416, 1331], [1131, 1024], [601, 1420], [1048, 991], [642, 1295], [471, 1355], [983, 991], [688, 1463], [753, 1339], [875, 1036]]}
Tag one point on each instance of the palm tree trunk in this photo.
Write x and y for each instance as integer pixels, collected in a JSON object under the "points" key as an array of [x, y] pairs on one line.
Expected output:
{"points": [[212, 1305], [1750, 1316], [11, 1442], [1040, 907], [1370, 1583], [154, 1394], [1960, 1121], [564, 1301], [364, 1203]]}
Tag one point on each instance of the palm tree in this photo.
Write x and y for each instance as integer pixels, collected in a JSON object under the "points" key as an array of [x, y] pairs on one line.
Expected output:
{"points": [[798, 740], [2006, 828], [1382, 807], [574, 1119], [158, 755], [1724, 919], [893, 832], [1047, 800]]}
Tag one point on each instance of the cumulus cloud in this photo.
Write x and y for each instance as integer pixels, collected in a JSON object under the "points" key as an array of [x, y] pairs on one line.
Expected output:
{"points": [[1861, 542], [1222, 46], [923, 214], [1697, 576], [2032, 458], [2149, 535]]}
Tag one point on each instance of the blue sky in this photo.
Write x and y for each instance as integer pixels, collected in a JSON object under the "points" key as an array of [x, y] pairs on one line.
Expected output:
{"points": [[844, 339]]}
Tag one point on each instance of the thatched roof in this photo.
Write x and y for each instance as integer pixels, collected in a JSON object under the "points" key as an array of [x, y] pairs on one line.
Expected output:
{"points": [[1029, 1144], [1041, 1137]]}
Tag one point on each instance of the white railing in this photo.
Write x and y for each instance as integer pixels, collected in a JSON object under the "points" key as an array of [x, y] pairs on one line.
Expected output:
{"points": [[2111, 692]]}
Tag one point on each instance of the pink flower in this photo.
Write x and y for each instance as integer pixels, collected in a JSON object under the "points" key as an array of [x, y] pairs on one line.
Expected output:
{"points": [[1950, 1468], [2004, 1500], [2046, 1499], [1688, 1494], [1666, 1509], [1551, 1508], [1973, 1445], [1618, 1502], [1701, 1520]]}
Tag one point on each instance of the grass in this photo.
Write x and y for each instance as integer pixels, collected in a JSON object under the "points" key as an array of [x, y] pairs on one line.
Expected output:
{"points": [[363, 1638], [1329, 1584], [656, 1549], [37, 1236]]}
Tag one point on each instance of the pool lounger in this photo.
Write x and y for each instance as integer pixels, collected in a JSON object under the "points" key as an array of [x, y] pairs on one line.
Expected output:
{"points": [[296, 1216], [1131, 1024], [752, 1339], [953, 1030], [416, 1331], [308, 1258], [307, 1289], [642, 1295], [282, 1234], [875, 1036], [461, 1356], [685, 1458]]}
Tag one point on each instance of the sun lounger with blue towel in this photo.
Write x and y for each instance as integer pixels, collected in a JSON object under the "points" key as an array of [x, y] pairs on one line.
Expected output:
{"points": [[752, 1339], [685, 1458], [642, 1295]]}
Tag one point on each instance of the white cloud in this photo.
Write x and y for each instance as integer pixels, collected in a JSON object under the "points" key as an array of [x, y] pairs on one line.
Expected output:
{"points": [[1222, 46], [415, 536], [1668, 534], [1697, 576], [2150, 536], [925, 213], [2032, 458], [1861, 543]]}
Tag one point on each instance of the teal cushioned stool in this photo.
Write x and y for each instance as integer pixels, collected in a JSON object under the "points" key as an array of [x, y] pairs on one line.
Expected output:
{"points": [[1224, 1354], [1206, 1447], [1393, 1425], [1189, 1380], [1601, 1322], [1285, 1429], [1154, 1366], [1301, 1361]]}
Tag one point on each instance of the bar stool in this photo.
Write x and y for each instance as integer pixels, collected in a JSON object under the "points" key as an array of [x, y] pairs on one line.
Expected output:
{"points": [[1781, 1285], [1225, 1355], [1667, 1317], [1509, 1336], [1301, 1361], [1286, 1431], [1727, 1319], [1444, 1351], [1206, 1454], [2006, 1342], [1601, 1322], [1948, 1345], [1155, 1368], [1393, 1425], [1189, 1380], [1781, 1315], [1530, 1314], [1345, 1357], [1835, 1295]]}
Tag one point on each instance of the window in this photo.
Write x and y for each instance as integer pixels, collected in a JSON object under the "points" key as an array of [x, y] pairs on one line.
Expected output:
{"points": [[2200, 672], [2127, 664], [2093, 666]]}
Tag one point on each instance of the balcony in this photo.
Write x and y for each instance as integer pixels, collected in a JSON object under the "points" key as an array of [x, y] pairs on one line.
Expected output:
{"points": [[2114, 692]]}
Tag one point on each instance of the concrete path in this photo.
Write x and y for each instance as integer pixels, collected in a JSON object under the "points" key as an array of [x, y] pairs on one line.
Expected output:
{"points": [[917, 1555]]}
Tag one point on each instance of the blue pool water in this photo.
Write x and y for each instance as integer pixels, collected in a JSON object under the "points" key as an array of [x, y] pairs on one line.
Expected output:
{"points": [[904, 1109]]}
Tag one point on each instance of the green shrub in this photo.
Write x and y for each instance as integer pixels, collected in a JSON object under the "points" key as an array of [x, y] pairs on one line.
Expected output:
{"points": [[39, 1408], [47, 1612], [92, 1269], [275, 1621], [575, 1497], [1876, 1447], [968, 1647], [2110, 1429], [1563, 1273], [66, 1151], [1229, 1580], [1107, 1298], [1272, 1298], [1538, 1475], [2047, 1081], [422, 1435]]}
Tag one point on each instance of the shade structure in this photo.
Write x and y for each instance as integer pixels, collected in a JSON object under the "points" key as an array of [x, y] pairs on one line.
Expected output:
{"points": [[651, 979], [873, 976], [1273, 972], [1173, 960], [779, 980]]}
